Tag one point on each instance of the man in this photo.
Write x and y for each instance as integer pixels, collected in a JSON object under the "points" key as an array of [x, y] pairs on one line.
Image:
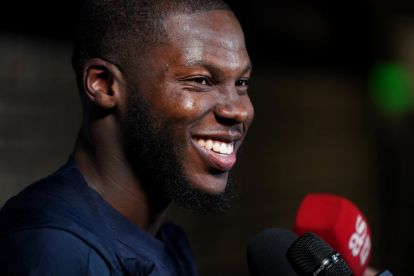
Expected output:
{"points": [[163, 86]]}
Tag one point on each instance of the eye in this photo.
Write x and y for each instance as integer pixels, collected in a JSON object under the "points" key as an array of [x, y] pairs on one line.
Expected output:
{"points": [[201, 80], [244, 83], [198, 83]]}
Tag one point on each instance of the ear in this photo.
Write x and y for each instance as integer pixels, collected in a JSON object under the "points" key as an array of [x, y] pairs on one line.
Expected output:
{"points": [[102, 83]]}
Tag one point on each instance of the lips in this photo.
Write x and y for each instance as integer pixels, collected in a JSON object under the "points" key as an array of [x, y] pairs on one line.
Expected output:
{"points": [[218, 153]]}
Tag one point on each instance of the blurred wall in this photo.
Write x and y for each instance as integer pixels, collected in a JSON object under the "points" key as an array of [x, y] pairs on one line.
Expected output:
{"points": [[39, 109]]}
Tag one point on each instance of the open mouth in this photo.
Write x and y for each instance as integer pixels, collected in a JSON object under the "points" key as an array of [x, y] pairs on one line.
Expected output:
{"points": [[218, 154], [217, 146]]}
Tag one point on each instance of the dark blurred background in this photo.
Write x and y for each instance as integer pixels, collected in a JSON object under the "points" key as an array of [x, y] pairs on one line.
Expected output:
{"points": [[333, 92]]}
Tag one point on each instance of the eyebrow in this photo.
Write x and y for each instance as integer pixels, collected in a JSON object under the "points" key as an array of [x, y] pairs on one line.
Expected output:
{"points": [[214, 68]]}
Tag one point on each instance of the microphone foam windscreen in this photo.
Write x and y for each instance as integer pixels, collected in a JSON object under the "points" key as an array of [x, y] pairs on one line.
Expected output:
{"points": [[308, 253], [339, 222], [266, 253]]}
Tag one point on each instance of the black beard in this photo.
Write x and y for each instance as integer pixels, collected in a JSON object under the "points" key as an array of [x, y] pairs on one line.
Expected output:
{"points": [[157, 161]]}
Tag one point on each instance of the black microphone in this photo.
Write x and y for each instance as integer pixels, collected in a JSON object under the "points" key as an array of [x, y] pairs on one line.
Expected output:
{"points": [[266, 253], [310, 255], [277, 252]]}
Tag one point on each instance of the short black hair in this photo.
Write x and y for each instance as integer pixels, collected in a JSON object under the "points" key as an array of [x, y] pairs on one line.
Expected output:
{"points": [[119, 30]]}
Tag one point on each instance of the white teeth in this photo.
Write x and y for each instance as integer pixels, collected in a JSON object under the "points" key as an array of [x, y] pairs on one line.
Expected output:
{"points": [[230, 148], [216, 146], [223, 148], [209, 145], [201, 142]]}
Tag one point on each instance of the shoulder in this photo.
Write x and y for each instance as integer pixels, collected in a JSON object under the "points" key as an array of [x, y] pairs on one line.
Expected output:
{"points": [[48, 251]]}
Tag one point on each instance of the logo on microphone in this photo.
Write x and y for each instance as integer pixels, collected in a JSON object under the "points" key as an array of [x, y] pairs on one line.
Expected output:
{"points": [[360, 241]]}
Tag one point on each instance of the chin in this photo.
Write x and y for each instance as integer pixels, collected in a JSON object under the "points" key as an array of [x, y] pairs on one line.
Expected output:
{"points": [[212, 184], [206, 193]]}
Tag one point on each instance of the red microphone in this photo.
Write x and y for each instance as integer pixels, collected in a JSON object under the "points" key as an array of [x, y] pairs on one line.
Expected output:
{"points": [[339, 222]]}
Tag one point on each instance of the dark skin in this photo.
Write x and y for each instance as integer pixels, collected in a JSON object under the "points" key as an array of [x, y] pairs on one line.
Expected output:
{"points": [[197, 83]]}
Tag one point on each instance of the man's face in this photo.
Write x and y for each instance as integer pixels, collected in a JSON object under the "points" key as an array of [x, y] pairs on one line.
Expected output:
{"points": [[189, 96]]}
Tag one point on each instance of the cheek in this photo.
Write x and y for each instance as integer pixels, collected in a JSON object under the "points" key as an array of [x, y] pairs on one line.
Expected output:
{"points": [[188, 108], [187, 104]]}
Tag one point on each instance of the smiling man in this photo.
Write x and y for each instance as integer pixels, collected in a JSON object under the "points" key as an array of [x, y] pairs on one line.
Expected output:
{"points": [[163, 85]]}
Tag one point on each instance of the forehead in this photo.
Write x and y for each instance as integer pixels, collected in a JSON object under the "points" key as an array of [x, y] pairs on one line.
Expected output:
{"points": [[204, 36]]}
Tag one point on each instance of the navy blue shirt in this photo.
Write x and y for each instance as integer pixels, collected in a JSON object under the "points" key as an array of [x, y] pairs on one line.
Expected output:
{"points": [[60, 226]]}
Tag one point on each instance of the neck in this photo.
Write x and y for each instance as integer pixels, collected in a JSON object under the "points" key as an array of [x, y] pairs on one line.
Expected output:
{"points": [[107, 171]]}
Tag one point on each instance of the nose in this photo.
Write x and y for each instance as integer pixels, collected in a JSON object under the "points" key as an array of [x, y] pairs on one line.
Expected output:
{"points": [[234, 110]]}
